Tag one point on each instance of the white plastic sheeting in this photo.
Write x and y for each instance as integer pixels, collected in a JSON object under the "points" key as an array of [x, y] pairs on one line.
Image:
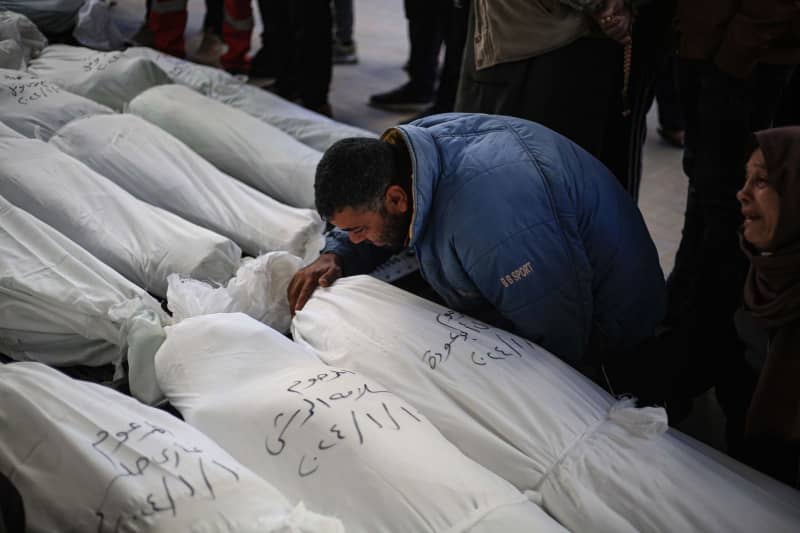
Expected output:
{"points": [[95, 27], [109, 78], [156, 167], [308, 127], [236, 143], [51, 16], [86, 458], [5, 131], [60, 305], [598, 464], [258, 290], [37, 108], [330, 437], [20, 40], [142, 242]]}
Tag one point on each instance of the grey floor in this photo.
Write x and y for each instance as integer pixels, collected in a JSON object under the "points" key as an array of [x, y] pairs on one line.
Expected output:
{"points": [[380, 33]]}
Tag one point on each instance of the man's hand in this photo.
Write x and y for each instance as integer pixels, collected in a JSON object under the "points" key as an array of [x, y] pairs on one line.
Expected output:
{"points": [[323, 272], [615, 19]]}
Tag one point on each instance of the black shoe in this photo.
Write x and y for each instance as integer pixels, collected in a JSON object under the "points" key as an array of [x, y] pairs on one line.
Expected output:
{"points": [[344, 53], [404, 98], [672, 137]]}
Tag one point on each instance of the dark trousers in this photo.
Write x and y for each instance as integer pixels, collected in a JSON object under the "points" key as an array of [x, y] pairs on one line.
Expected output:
{"points": [[427, 20], [455, 31], [789, 111], [215, 10], [670, 112], [296, 49], [344, 18]]}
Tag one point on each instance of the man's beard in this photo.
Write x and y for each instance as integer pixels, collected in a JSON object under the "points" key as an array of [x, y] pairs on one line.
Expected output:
{"points": [[395, 229]]}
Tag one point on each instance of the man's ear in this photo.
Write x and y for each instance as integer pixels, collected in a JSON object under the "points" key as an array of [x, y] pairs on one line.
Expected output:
{"points": [[396, 200]]}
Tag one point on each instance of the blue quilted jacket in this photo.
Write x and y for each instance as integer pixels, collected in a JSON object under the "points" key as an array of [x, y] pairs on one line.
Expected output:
{"points": [[512, 214]]}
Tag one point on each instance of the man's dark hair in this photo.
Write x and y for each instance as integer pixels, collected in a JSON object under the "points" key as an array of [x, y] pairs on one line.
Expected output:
{"points": [[356, 172]]}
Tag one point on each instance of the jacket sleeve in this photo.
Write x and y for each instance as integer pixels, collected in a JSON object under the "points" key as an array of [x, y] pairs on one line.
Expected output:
{"points": [[361, 258]]}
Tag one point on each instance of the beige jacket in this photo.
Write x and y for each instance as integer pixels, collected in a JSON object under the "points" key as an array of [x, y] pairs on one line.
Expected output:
{"points": [[512, 30]]}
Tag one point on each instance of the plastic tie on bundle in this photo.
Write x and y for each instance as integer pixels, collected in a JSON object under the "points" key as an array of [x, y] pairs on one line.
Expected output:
{"points": [[534, 496], [37, 133], [258, 290], [643, 422], [301, 519], [143, 333]]}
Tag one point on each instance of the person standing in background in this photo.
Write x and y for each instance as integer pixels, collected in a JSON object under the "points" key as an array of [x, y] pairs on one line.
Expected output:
{"points": [[585, 68], [735, 61]]}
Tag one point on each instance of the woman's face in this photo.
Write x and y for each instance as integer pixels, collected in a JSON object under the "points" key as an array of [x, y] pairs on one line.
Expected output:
{"points": [[760, 203]]}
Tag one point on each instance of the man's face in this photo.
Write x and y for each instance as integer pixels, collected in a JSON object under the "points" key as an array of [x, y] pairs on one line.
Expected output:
{"points": [[381, 228], [760, 203]]}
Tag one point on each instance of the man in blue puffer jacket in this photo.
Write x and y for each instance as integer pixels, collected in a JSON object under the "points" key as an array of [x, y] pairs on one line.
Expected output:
{"points": [[500, 211]]}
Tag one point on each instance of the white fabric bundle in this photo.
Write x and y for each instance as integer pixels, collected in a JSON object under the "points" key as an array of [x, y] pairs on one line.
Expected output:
{"points": [[201, 78], [516, 409], [85, 458], [5, 131], [60, 305], [95, 27], [328, 436], [20, 40], [142, 242], [156, 167], [308, 127], [236, 143], [37, 108], [258, 290], [51, 16], [109, 78]]}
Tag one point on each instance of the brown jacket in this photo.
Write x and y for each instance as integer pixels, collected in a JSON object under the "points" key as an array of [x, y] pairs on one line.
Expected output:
{"points": [[738, 34]]}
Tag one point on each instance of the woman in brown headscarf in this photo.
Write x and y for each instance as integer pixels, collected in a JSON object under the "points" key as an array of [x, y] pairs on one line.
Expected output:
{"points": [[770, 236]]}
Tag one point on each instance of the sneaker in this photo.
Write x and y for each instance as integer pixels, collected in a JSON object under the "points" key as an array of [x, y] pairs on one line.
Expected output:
{"points": [[210, 50], [344, 53], [404, 98]]}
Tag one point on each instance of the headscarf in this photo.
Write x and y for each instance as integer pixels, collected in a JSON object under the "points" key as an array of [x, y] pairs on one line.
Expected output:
{"points": [[772, 293]]}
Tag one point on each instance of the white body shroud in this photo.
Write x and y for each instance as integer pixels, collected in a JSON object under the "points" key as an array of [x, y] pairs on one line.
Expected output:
{"points": [[143, 243], [242, 146], [330, 437], [308, 127], [20, 40], [156, 167], [51, 16], [37, 108], [59, 304], [108, 78], [524, 414], [86, 458]]}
